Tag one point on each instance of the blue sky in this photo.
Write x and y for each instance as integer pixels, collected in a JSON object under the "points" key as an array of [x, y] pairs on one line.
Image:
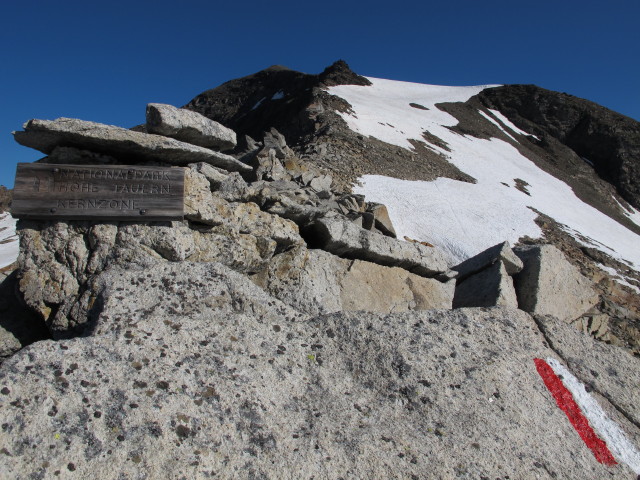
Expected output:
{"points": [[104, 61]]}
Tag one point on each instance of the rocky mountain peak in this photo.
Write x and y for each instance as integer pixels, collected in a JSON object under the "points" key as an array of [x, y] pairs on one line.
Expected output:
{"points": [[276, 68], [339, 73], [605, 139]]}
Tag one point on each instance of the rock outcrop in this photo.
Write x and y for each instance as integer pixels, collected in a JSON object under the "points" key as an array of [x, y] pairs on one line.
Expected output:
{"points": [[381, 220], [317, 282], [484, 280], [492, 287], [345, 239], [550, 285], [498, 253], [192, 369]]}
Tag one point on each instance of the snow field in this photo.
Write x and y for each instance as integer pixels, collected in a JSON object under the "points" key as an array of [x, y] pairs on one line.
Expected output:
{"points": [[9, 244], [459, 217], [630, 212]]}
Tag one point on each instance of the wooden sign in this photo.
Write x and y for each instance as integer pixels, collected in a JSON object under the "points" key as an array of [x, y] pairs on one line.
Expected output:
{"points": [[92, 192]]}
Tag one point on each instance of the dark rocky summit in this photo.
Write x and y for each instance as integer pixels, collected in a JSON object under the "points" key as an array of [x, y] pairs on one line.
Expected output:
{"points": [[607, 140], [339, 73], [281, 330], [298, 106]]}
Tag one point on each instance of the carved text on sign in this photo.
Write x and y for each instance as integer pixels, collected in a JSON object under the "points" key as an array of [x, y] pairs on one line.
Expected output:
{"points": [[119, 192]]}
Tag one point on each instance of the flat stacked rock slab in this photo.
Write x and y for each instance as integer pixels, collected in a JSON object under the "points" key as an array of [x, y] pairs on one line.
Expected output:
{"points": [[345, 239], [188, 126], [46, 135], [501, 252], [318, 282]]}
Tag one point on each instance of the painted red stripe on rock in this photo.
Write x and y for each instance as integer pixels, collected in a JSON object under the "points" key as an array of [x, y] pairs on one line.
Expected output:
{"points": [[567, 404]]}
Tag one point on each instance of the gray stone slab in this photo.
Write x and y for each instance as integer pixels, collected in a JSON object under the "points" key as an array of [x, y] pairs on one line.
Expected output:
{"points": [[549, 285], [382, 220], [318, 282], [345, 239], [188, 126], [501, 252], [45, 135]]}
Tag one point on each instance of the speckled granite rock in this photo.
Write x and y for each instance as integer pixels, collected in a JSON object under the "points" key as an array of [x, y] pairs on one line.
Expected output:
{"points": [[315, 282], [190, 127], [196, 371], [549, 285]]}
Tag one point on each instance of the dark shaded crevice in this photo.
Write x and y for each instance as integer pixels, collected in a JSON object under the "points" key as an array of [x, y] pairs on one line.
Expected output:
{"points": [[275, 97], [93, 314], [16, 317], [313, 236]]}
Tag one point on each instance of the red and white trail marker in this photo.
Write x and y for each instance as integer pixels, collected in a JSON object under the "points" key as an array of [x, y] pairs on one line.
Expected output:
{"points": [[603, 436]]}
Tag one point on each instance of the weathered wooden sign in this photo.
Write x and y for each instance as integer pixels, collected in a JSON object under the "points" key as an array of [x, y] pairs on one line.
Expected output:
{"points": [[87, 192]]}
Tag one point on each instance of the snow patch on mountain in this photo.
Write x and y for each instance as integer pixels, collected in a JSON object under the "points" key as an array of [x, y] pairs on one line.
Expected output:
{"points": [[383, 110], [618, 277], [9, 244], [464, 218], [507, 123], [629, 211], [458, 217], [497, 124]]}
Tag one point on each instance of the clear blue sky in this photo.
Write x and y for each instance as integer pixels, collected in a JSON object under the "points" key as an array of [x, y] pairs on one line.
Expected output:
{"points": [[104, 61]]}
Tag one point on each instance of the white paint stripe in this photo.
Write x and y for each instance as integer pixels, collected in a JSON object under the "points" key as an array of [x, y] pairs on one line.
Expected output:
{"points": [[621, 448]]}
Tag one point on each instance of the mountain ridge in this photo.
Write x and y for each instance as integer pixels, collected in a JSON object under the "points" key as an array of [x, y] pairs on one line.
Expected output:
{"points": [[338, 301], [299, 123]]}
